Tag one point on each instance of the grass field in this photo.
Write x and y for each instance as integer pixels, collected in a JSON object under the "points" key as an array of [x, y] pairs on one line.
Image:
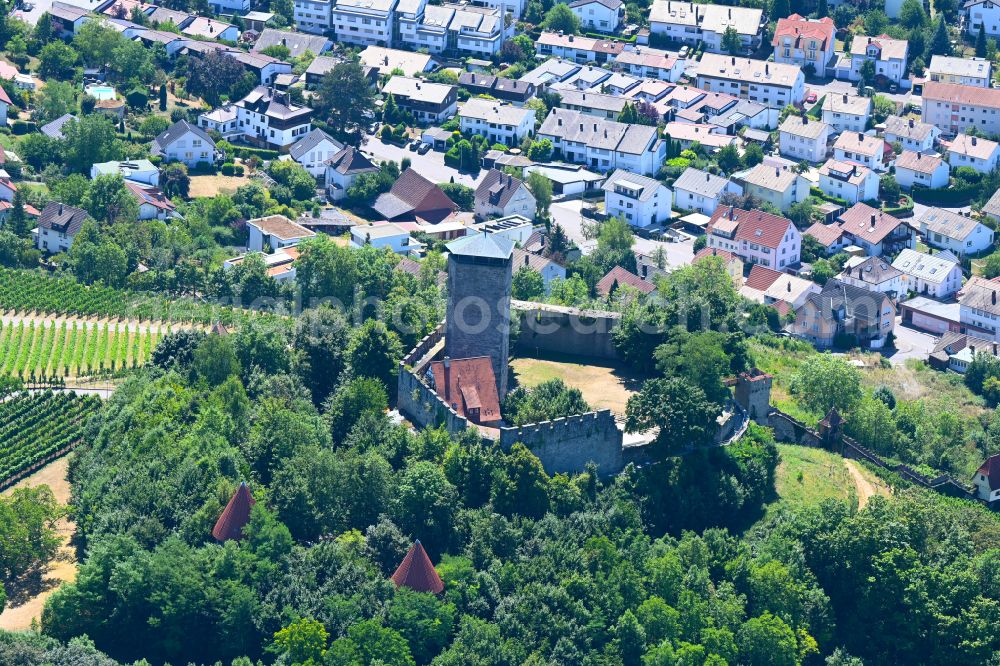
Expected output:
{"points": [[603, 387], [209, 186], [807, 476]]}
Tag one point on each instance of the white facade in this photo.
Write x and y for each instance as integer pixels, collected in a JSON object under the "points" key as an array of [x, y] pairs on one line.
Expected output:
{"points": [[596, 16], [185, 143], [222, 120], [863, 149], [802, 139], [846, 113], [960, 235], [911, 134], [889, 56], [275, 232], [313, 16], [384, 235], [976, 72], [921, 169], [771, 84], [638, 200], [985, 13], [500, 123], [313, 150], [928, 275], [955, 108], [700, 191], [363, 22], [603, 145], [850, 182], [690, 23], [262, 117], [970, 151]]}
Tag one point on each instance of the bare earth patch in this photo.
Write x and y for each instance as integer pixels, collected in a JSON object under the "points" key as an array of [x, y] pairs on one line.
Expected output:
{"points": [[63, 568], [866, 483], [603, 387], [209, 186]]}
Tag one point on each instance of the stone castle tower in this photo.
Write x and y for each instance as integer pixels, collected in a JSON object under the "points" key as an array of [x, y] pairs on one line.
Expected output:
{"points": [[479, 288], [753, 393]]}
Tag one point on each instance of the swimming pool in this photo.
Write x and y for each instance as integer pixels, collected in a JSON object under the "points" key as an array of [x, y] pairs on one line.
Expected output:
{"points": [[101, 92]]}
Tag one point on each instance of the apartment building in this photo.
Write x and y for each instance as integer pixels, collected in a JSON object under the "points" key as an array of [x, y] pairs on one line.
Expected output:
{"points": [[427, 102], [976, 72], [773, 84], [955, 108], [270, 118], [847, 113], [603, 145], [805, 42], [313, 16], [756, 237], [578, 49], [453, 28], [500, 123], [700, 191], [639, 200], [803, 139], [690, 23]]}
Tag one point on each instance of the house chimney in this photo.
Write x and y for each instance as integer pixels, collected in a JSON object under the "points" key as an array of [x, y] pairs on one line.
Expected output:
{"points": [[447, 362], [972, 349], [284, 42], [708, 177], [861, 136], [734, 60], [911, 123], [789, 286], [730, 12], [60, 209], [994, 299], [973, 141], [920, 155], [805, 120], [845, 98], [767, 69], [581, 127], [525, 259], [873, 220], [777, 172]]}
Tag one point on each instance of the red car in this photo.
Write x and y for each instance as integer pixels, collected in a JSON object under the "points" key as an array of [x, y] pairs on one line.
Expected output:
{"points": [[811, 97]]}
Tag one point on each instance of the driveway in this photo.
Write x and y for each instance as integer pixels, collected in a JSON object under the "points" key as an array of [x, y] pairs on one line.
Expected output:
{"points": [[41, 6], [837, 87], [567, 214], [911, 343], [430, 165]]}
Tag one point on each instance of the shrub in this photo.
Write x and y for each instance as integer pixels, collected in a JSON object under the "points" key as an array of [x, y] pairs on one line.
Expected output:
{"points": [[238, 170], [22, 127], [228, 169]]}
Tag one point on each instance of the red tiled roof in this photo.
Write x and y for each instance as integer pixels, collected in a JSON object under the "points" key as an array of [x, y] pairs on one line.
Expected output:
{"points": [[797, 27], [618, 276], [4, 97], [991, 468], [761, 278], [754, 226], [468, 384], [826, 234], [857, 221], [413, 195], [725, 255], [235, 516], [417, 573]]}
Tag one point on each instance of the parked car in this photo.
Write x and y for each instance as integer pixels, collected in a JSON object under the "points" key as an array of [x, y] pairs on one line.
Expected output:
{"points": [[423, 148], [683, 52], [412, 145], [811, 97]]}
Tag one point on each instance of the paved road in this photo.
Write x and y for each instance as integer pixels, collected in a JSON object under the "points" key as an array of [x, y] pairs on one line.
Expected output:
{"points": [[835, 87], [911, 343], [567, 214], [41, 6], [431, 165]]}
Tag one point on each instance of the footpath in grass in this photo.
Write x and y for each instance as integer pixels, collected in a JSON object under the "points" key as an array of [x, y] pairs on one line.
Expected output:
{"points": [[807, 476]]}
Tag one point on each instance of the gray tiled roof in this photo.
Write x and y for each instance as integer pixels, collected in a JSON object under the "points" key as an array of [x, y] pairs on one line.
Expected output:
{"points": [[310, 141], [179, 129], [701, 182]]}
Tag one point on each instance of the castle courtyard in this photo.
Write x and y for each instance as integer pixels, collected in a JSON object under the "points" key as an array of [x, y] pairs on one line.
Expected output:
{"points": [[603, 386]]}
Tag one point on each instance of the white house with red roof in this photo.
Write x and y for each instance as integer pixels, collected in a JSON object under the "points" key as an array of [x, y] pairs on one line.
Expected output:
{"points": [[804, 42], [153, 203], [920, 168], [980, 154], [848, 181], [755, 236], [876, 232], [987, 479]]}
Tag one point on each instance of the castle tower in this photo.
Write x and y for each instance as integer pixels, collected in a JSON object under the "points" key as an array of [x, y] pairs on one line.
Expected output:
{"points": [[753, 393], [479, 288]]}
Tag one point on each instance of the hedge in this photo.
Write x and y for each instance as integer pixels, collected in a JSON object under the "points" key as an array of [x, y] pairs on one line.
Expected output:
{"points": [[262, 153], [820, 194], [944, 197]]}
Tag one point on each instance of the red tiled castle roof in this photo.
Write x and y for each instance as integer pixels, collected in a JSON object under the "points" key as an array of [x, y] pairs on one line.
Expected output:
{"points": [[417, 573], [235, 516]]}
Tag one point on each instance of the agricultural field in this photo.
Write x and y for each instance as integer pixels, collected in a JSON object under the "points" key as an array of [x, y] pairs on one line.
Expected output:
{"points": [[33, 427], [28, 291], [49, 348]]}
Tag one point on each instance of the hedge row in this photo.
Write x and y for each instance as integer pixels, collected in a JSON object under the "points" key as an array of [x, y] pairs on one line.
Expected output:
{"points": [[944, 197]]}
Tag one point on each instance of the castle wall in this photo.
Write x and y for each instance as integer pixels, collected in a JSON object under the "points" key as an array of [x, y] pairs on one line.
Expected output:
{"points": [[566, 445], [547, 329]]}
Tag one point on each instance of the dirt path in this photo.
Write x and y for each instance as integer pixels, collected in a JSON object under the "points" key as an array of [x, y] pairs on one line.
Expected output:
{"points": [[63, 567], [866, 489]]}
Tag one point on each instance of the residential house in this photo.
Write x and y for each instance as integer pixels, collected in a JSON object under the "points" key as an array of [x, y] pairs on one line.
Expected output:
{"points": [[691, 23], [499, 123], [58, 225], [992, 207], [451, 27], [549, 72], [874, 231], [874, 274], [987, 477], [603, 144], [770, 83], [956, 351], [700, 191], [911, 134], [280, 264], [314, 16], [972, 151], [847, 113], [781, 187], [712, 137], [171, 41], [414, 197], [266, 69], [67, 19], [954, 108], [515, 228], [7, 189], [830, 236], [650, 63], [297, 43], [848, 181], [548, 269], [275, 232], [923, 169], [889, 56], [576, 48], [978, 308], [985, 13], [506, 90], [384, 234], [5, 103], [808, 43], [802, 139], [639, 200], [734, 265], [567, 179], [500, 195], [619, 277], [392, 60], [361, 22], [844, 310], [184, 142], [53, 130], [427, 102], [343, 168], [323, 65], [976, 72], [861, 148], [153, 203], [207, 28], [937, 276], [770, 287], [599, 15], [138, 171], [177, 18], [272, 119], [600, 105], [222, 120], [755, 236], [313, 151], [959, 234]]}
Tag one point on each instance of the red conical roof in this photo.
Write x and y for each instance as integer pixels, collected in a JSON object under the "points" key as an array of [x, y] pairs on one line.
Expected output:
{"points": [[235, 516], [417, 573]]}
